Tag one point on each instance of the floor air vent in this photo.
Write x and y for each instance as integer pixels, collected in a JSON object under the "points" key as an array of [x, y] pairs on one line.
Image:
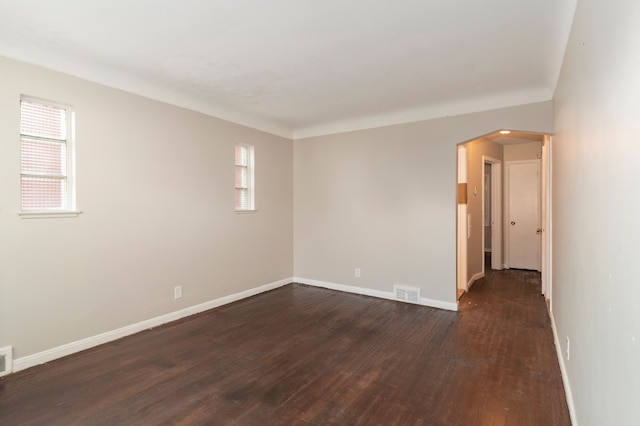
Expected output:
{"points": [[6, 361], [407, 294]]}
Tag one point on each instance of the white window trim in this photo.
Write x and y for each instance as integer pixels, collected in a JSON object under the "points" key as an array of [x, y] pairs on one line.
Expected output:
{"points": [[49, 215], [250, 179], [71, 166]]}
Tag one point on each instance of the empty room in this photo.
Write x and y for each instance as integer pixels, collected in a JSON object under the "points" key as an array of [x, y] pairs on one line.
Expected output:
{"points": [[307, 213]]}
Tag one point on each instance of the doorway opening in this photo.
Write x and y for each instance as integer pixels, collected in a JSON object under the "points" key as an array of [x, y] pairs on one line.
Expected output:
{"points": [[482, 211], [492, 214]]}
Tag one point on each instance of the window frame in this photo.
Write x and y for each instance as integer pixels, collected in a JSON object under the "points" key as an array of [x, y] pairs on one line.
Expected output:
{"points": [[250, 171], [70, 210]]}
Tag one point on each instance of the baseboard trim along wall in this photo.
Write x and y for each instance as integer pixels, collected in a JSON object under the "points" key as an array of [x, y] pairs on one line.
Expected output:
{"points": [[29, 361], [90, 342], [474, 278], [563, 372], [375, 293]]}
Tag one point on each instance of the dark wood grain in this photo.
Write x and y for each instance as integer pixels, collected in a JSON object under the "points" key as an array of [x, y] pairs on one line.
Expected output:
{"points": [[303, 355]]}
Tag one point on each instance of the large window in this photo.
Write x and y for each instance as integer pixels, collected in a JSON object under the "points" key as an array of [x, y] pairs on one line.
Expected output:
{"points": [[245, 194], [46, 157]]}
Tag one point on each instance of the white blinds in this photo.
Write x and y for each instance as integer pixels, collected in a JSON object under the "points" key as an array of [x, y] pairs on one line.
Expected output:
{"points": [[43, 157]]}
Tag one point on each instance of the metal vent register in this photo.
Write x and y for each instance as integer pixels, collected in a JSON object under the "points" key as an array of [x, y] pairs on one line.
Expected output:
{"points": [[6, 363], [407, 294]]}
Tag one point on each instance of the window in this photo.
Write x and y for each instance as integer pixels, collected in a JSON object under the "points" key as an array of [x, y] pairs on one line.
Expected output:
{"points": [[245, 196], [46, 158]]}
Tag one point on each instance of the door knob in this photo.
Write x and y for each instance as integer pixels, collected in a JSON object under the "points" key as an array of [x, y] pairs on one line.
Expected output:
{"points": [[539, 231], [513, 223]]}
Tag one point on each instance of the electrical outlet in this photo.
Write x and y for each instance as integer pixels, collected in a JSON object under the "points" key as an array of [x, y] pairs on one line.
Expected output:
{"points": [[177, 292], [357, 273], [568, 348]]}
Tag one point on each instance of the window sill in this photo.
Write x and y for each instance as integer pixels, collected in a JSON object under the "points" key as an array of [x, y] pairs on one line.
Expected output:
{"points": [[48, 215], [246, 211]]}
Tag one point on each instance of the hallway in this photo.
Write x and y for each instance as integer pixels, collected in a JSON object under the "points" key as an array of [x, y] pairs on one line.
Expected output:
{"points": [[504, 323]]}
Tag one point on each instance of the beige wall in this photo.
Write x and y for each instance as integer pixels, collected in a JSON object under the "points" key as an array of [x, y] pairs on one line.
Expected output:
{"points": [[156, 185], [523, 151], [475, 179], [596, 206], [384, 200]]}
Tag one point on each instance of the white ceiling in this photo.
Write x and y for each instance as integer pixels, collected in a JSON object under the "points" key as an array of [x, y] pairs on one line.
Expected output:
{"points": [[298, 67]]}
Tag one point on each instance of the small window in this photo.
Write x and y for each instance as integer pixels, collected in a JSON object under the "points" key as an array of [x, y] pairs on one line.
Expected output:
{"points": [[245, 194], [46, 157]]}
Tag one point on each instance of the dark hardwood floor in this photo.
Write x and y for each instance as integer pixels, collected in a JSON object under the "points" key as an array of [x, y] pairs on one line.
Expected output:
{"points": [[301, 355]]}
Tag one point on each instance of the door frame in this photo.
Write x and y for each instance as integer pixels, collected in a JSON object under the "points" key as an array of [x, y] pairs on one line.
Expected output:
{"points": [[462, 231], [545, 219], [507, 244], [496, 213]]}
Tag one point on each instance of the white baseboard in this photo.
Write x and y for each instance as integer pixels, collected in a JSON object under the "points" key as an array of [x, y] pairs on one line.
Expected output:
{"points": [[90, 342], [474, 278], [563, 372], [374, 293]]}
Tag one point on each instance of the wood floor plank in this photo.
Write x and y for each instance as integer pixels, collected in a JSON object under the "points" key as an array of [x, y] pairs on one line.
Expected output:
{"points": [[301, 355]]}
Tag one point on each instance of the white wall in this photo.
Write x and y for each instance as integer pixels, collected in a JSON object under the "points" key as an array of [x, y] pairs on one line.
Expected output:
{"points": [[384, 200], [596, 211], [156, 185]]}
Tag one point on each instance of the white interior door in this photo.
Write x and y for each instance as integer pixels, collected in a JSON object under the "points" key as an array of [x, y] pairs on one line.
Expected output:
{"points": [[523, 216]]}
